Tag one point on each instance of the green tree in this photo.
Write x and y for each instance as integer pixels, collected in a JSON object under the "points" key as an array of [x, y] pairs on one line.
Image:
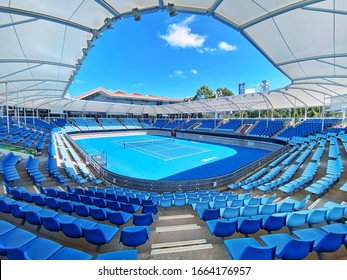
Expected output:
{"points": [[204, 92], [224, 92]]}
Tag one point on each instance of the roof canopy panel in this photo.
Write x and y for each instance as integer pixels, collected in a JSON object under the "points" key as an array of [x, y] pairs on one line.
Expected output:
{"points": [[44, 44]]}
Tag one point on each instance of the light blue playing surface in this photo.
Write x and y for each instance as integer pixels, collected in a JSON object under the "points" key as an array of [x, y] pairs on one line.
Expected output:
{"points": [[162, 158]]}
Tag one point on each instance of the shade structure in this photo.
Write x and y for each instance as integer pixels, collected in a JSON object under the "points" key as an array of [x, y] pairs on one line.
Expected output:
{"points": [[45, 45]]}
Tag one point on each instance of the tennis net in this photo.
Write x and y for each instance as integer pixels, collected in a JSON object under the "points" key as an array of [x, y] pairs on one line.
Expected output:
{"points": [[140, 143]]}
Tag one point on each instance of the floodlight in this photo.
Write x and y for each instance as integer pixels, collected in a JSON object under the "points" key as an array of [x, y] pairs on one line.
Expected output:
{"points": [[85, 51], [90, 44], [108, 23], [171, 9], [136, 14], [97, 34]]}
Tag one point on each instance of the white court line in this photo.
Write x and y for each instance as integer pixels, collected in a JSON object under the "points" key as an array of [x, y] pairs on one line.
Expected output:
{"points": [[170, 158], [146, 152]]}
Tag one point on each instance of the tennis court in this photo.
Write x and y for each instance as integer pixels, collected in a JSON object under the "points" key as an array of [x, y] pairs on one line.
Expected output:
{"points": [[162, 158]]}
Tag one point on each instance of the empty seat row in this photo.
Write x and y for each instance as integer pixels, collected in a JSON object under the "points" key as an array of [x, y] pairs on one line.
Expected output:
{"points": [[330, 213], [328, 238], [19, 244], [95, 233]]}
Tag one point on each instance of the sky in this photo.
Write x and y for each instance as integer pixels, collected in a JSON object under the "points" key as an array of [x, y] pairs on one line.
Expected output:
{"points": [[173, 57]]}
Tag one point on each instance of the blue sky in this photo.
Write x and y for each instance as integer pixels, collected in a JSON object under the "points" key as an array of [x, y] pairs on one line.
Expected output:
{"points": [[173, 57]]}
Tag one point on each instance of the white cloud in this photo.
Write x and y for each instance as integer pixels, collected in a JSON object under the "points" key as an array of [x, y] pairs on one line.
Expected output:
{"points": [[180, 35], [224, 46], [177, 74], [194, 71]]}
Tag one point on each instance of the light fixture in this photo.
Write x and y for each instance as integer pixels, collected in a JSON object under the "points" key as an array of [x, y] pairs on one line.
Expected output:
{"points": [[85, 51], [171, 9], [90, 44], [108, 23], [136, 14], [79, 64], [96, 33]]}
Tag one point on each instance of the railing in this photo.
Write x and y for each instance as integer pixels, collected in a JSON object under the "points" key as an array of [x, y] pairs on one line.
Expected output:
{"points": [[279, 147]]}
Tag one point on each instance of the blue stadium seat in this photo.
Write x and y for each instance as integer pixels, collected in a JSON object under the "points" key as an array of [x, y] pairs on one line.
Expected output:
{"points": [[134, 236], [222, 227], [118, 255], [287, 247], [143, 219], [119, 218], [323, 241], [100, 234], [249, 249]]}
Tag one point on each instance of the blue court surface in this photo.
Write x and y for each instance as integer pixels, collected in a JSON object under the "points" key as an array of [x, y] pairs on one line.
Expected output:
{"points": [[162, 158]]}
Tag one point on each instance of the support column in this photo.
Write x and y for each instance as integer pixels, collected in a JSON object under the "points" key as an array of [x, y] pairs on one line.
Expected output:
{"points": [[7, 116], [25, 118]]}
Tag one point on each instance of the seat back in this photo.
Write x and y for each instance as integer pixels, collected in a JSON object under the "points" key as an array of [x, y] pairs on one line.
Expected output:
{"points": [[150, 209], [82, 210], [72, 230], [301, 204], [296, 249], [179, 201], [267, 200], [316, 216], [217, 204], [229, 212], [66, 206], [225, 228], [75, 197], [334, 214], [51, 223], [267, 209], [296, 219], [52, 202], [210, 214], [99, 214], [33, 217], [165, 202], [39, 199], [258, 253], [94, 236], [134, 236], [253, 201], [100, 202], [285, 207], [249, 225], [201, 205], [330, 242], [273, 222], [237, 203], [143, 219], [117, 218], [249, 210]]}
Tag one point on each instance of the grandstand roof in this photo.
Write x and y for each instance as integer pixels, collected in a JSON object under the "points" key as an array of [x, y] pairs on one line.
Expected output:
{"points": [[118, 94], [44, 44]]}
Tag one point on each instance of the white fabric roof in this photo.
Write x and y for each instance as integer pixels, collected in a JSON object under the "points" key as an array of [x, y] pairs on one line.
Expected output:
{"points": [[44, 43]]}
